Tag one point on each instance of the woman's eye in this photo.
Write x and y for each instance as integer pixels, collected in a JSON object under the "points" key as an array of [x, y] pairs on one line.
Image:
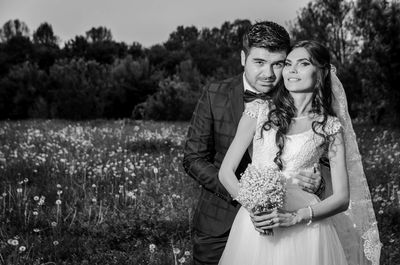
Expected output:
{"points": [[287, 64]]}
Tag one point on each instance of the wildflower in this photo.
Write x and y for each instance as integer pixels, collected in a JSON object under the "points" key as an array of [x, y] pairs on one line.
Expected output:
{"points": [[4, 194], [131, 195], [155, 170], [182, 260], [22, 248], [55, 242], [58, 202], [58, 186], [14, 242], [59, 192], [26, 180], [152, 248], [94, 200], [187, 253], [176, 251], [53, 224], [36, 198], [380, 212], [42, 199], [19, 190], [36, 230], [94, 185], [35, 213]]}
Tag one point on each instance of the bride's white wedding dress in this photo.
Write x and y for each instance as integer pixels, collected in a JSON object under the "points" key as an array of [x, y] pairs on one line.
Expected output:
{"points": [[316, 244]]}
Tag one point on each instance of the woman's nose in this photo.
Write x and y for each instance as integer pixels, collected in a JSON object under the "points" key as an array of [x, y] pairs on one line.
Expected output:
{"points": [[293, 69]]}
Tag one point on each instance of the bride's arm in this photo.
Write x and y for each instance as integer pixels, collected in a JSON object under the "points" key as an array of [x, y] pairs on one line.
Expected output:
{"points": [[339, 200], [243, 137], [336, 203]]}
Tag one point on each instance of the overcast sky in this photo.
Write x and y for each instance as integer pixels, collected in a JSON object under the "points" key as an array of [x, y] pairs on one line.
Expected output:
{"points": [[148, 22]]}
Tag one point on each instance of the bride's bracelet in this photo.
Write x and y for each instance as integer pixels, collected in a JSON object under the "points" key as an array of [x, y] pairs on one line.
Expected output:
{"points": [[311, 214]]}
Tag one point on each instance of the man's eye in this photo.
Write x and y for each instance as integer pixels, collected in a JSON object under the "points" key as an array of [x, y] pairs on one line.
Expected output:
{"points": [[278, 65], [287, 64]]}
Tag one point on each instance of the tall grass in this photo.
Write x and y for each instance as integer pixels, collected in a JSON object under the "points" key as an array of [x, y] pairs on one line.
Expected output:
{"points": [[114, 192]]}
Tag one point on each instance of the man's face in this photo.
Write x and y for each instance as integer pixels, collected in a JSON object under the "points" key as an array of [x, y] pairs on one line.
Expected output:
{"points": [[262, 68]]}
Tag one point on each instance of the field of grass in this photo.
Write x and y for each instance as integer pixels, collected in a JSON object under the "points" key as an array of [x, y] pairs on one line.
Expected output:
{"points": [[114, 192]]}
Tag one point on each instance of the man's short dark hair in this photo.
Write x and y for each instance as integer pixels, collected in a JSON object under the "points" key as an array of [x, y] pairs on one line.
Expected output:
{"points": [[267, 35]]}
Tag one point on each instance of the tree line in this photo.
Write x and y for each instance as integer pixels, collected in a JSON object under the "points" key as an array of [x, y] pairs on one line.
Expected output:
{"points": [[93, 76]]}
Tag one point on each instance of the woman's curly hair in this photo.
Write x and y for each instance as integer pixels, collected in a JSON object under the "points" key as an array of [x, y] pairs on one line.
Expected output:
{"points": [[281, 115]]}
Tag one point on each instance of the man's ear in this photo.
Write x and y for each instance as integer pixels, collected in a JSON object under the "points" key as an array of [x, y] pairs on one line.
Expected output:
{"points": [[243, 57]]}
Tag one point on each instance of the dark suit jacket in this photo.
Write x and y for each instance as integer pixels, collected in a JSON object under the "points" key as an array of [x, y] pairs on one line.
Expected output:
{"points": [[212, 129]]}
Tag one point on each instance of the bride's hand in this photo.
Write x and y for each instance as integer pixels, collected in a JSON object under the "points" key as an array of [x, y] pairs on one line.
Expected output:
{"points": [[262, 220], [280, 219]]}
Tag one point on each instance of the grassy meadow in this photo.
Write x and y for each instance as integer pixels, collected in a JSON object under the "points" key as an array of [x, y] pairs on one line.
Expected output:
{"points": [[114, 192]]}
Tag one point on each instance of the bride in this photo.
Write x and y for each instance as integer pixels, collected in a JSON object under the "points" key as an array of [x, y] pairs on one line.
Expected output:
{"points": [[307, 120]]}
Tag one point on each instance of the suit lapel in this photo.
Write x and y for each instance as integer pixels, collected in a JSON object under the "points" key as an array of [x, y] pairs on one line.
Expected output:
{"points": [[237, 108], [236, 99]]}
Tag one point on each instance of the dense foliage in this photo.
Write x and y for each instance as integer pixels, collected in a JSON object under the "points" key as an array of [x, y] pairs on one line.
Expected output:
{"points": [[93, 76]]}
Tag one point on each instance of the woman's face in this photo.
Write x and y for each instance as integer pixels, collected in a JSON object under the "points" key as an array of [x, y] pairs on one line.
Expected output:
{"points": [[299, 74]]}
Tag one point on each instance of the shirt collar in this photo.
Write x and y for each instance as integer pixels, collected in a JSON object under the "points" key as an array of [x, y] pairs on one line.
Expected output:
{"points": [[247, 86]]}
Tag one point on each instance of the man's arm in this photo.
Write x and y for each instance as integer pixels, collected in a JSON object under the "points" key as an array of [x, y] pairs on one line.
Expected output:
{"points": [[199, 149]]}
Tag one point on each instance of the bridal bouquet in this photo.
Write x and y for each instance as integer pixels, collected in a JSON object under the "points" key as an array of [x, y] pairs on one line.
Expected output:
{"points": [[261, 189]]}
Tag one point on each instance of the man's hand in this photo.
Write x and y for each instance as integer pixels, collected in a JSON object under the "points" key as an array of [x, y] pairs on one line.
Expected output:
{"points": [[309, 180]]}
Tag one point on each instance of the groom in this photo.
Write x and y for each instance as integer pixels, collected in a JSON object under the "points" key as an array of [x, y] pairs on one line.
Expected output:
{"points": [[213, 127]]}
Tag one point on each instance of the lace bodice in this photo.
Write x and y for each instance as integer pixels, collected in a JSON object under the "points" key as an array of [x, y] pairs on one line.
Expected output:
{"points": [[301, 150]]}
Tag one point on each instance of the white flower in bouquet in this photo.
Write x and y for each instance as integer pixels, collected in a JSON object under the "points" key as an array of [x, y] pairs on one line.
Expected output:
{"points": [[261, 189]]}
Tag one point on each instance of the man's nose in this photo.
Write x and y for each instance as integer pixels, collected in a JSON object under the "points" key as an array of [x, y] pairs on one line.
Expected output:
{"points": [[268, 72]]}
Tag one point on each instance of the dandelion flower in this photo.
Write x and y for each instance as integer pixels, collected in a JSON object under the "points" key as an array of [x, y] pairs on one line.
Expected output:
{"points": [[58, 202], [14, 242], [36, 230], [53, 224], [35, 213], [182, 260], [55, 243], [36, 198], [58, 186], [59, 192], [22, 248], [187, 253], [176, 251], [19, 190], [152, 248]]}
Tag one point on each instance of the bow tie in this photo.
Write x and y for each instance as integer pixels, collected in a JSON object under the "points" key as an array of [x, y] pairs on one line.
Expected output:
{"points": [[249, 96]]}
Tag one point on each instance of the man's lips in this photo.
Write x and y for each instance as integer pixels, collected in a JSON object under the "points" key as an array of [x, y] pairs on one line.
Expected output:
{"points": [[266, 82]]}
